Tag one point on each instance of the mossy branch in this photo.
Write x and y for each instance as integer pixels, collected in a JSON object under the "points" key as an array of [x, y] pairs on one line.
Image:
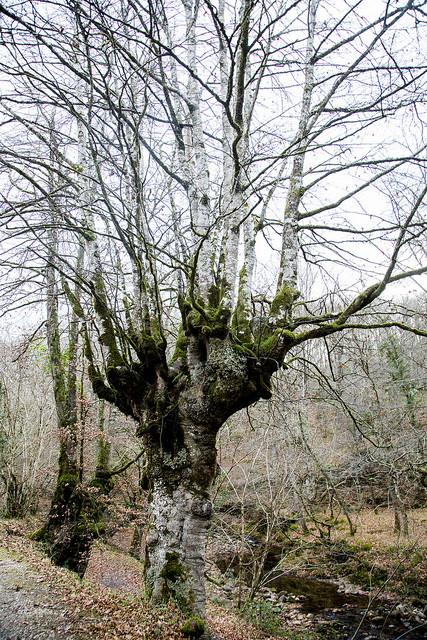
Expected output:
{"points": [[282, 303], [74, 301], [241, 318], [108, 337], [122, 469]]}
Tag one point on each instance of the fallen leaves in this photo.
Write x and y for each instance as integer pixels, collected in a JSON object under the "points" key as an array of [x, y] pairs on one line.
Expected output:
{"points": [[118, 612]]}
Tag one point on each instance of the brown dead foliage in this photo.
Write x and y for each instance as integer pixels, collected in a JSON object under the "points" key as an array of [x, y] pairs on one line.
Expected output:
{"points": [[108, 604]]}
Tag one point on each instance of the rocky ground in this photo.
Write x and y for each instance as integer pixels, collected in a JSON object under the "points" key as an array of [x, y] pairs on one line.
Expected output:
{"points": [[327, 610]]}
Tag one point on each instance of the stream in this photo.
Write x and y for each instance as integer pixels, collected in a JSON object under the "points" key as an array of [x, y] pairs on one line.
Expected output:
{"points": [[334, 611], [349, 616]]}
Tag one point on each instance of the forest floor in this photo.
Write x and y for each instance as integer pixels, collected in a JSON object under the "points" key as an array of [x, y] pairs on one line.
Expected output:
{"points": [[382, 581], [39, 601]]}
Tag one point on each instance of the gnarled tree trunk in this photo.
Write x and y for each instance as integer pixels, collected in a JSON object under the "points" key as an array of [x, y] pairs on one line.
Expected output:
{"points": [[181, 472], [179, 417], [175, 550]]}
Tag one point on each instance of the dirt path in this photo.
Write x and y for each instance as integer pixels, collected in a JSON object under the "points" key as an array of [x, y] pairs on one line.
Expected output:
{"points": [[39, 601], [28, 608]]}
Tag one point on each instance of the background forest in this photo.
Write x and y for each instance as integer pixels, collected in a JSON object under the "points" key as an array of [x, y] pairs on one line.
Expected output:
{"points": [[344, 434]]}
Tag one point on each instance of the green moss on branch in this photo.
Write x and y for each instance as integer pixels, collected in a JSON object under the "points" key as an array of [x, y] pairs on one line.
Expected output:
{"points": [[283, 301], [241, 319]]}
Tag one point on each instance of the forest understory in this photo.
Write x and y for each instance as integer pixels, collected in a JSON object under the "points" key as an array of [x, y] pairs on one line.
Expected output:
{"points": [[368, 586]]}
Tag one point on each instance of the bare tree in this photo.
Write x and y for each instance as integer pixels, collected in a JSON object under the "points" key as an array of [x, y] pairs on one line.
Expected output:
{"points": [[201, 150], [26, 409]]}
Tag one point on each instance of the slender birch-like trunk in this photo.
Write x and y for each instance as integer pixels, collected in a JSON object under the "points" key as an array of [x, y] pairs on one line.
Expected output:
{"points": [[58, 531], [287, 280]]}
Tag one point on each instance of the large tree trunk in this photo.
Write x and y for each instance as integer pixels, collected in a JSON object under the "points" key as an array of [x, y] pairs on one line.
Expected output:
{"points": [[58, 533], [67, 545], [175, 550], [179, 435], [180, 407], [180, 516]]}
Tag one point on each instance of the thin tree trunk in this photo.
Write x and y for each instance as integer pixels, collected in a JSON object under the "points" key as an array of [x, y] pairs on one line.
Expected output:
{"points": [[400, 514], [136, 542]]}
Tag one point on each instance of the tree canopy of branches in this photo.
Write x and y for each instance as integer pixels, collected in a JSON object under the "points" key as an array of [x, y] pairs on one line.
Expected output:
{"points": [[198, 164]]}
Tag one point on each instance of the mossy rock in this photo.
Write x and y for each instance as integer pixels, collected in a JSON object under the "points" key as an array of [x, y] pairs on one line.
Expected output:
{"points": [[193, 627]]}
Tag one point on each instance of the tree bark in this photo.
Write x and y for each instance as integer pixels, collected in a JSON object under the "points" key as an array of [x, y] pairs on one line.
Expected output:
{"points": [[75, 518], [175, 549], [181, 475], [178, 427]]}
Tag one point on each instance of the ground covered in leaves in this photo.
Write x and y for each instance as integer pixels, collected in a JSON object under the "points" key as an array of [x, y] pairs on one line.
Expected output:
{"points": [[41, 602], [28, 608]]}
